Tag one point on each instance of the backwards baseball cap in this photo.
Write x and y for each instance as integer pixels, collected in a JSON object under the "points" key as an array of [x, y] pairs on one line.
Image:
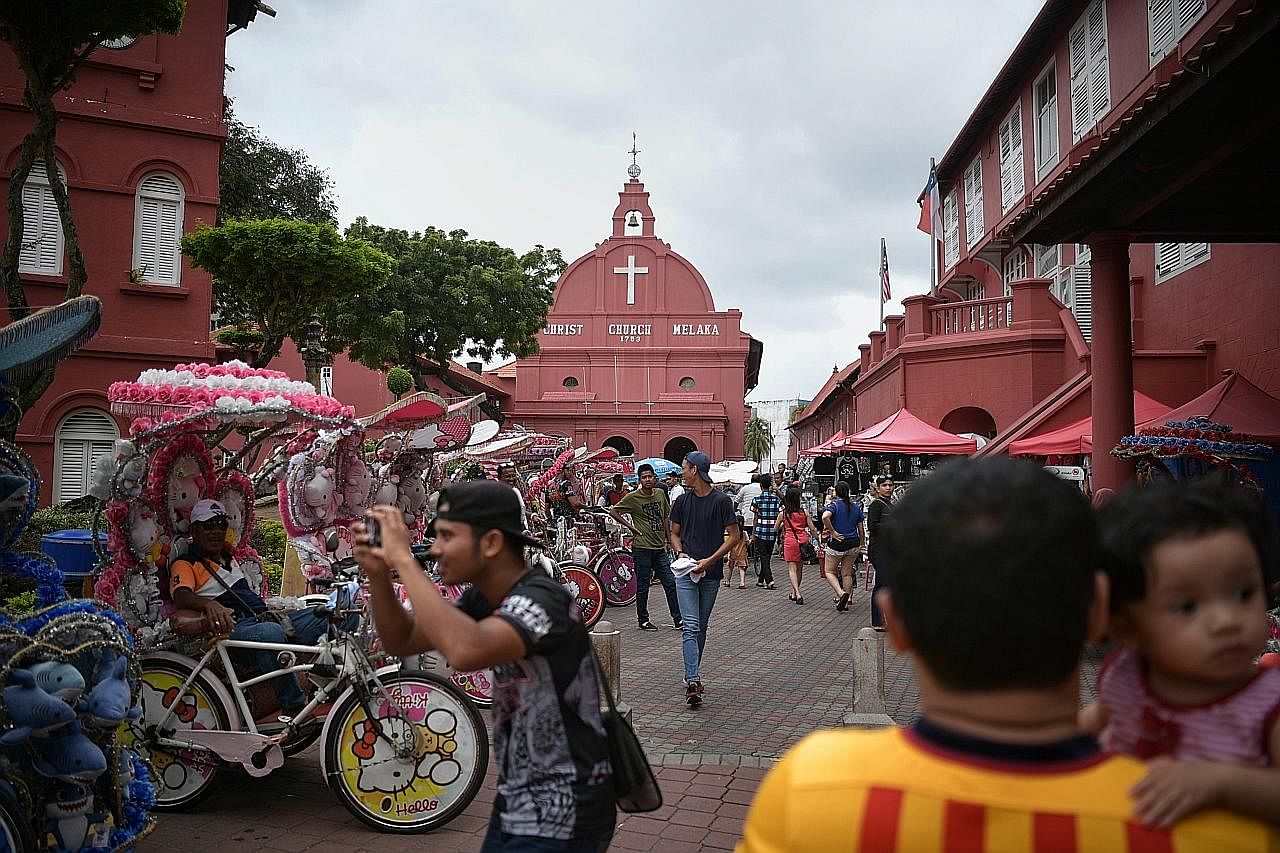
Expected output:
{"points": [[701, 461], [487, 504], [207, 509]]}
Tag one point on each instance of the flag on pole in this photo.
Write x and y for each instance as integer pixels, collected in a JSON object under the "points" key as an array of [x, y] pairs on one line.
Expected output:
{"points": [[885, 295], [930, 201]]}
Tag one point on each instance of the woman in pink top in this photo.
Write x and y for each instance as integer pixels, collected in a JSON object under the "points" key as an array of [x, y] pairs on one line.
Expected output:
{"points": [[795, 527], [1189, 597]]}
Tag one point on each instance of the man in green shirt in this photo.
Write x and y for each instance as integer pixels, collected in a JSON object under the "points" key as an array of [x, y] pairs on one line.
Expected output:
{"points": [[649, 509]]}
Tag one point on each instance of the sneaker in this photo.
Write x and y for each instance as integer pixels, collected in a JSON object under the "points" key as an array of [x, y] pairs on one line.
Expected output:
{"points": [[693, 693], [679, 626], [648, 626]]}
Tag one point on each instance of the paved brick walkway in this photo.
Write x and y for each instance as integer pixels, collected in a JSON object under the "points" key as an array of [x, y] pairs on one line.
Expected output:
{"points": [[774, 672]]}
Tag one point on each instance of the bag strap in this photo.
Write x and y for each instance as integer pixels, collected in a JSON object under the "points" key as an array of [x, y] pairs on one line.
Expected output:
{"points": [[223, 584], [786, 516]]}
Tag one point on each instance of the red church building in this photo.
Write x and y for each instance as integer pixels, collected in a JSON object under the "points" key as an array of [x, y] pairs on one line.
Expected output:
{"points": [[140, 136], [1103, 230], [634, 354]]}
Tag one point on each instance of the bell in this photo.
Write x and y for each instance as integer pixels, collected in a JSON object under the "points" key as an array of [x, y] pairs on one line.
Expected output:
{"points": [[633, 221]]}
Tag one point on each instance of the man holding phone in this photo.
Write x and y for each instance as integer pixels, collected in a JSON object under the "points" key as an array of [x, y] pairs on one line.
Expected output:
{"points": [[555, 788]]}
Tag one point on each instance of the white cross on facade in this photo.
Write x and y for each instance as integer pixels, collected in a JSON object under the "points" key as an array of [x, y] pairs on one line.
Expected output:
{"points": [[630, 271]]}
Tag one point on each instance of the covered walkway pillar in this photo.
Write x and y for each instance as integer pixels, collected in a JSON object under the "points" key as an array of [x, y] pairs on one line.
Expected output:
{"points": [[1112, 360]]}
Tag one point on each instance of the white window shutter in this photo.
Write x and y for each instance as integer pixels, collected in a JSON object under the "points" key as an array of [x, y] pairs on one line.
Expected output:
{"points": [[973, 203], [950, 230], [1015, 267], [1006, 174], [41, 250], [1099, 68], [1192, 252], [1019, 178], [1189, 11], [1160, 25], [1168, 259], [72, 474], [1082, 298], [29, 255], [158, 229]]}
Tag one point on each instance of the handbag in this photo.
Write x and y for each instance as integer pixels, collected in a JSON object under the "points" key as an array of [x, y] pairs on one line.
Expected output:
{"points": [[634, 786], [808, 553]]}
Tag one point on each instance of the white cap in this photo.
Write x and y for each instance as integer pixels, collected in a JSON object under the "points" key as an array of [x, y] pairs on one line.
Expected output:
{"points": [[207, 509]]}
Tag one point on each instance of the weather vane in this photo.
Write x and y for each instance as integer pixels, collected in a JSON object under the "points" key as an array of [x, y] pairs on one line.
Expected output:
{"points": [[633, 170]]}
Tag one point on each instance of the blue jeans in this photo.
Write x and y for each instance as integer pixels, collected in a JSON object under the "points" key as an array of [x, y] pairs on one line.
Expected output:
{"points": [[497, 841], [650, 562], [309, 627], [696, 601]]}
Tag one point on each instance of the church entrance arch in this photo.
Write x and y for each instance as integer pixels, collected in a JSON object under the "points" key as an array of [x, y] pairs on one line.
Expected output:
{"points": [[969, 419], [677, 448], [622, 444]]}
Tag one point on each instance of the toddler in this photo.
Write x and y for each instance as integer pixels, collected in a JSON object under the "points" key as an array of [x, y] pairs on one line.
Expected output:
{"points": [[1189, 567]]}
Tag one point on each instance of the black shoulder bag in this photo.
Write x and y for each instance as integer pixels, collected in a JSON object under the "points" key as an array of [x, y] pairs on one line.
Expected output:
{"points": [[635, 789]]}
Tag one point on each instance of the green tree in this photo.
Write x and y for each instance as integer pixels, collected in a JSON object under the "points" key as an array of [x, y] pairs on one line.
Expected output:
{"points": [[259, 179], [399, 381], [757, 439], [276, 274], [51, 39], [449, 295]]}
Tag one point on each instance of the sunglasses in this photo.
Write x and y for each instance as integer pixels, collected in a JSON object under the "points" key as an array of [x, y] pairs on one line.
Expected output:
{"points": [[213, 524]]}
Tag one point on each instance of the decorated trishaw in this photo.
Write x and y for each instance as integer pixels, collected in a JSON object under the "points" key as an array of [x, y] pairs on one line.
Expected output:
{"points": [[403, 750], [68, 668]]}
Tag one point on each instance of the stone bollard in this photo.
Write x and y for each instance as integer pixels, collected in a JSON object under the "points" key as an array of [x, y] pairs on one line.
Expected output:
{"points": [[607, 641], [868, 681]]}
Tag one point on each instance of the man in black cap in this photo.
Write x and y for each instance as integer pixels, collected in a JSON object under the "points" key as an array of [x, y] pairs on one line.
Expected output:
{"points": [[554, 782]]}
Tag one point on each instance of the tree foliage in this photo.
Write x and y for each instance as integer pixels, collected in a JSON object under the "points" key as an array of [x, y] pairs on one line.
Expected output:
{"points": [[448, 295], [51, 40], [399, 381], [757, 439], [259, 179], [277, 274]]}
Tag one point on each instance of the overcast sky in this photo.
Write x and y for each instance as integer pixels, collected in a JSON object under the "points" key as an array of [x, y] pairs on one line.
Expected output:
{"points": [[780, 140]]}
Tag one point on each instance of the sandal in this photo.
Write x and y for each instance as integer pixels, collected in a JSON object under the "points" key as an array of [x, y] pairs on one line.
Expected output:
{"points": [[843, 604], [791, 596], [770, 586], [800, 599]]}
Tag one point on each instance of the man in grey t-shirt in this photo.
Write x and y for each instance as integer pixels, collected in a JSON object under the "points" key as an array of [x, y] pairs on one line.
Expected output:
{"points": [[648, 508]]}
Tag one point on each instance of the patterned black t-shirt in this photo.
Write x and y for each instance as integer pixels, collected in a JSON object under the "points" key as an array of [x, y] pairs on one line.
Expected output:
{"points": [[553, 764]]}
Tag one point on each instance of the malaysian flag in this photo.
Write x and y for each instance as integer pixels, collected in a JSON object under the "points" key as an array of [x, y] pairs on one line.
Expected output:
{"points": [[885, 296], [930, 201]]}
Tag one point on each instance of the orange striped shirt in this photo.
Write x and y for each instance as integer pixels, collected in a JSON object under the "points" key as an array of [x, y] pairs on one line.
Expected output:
{"points": [[889, 791]]}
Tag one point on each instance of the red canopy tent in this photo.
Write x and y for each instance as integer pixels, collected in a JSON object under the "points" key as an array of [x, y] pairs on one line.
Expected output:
{"points": [[824, 448], [1078, 437], [1234, 401], [903, 432]]}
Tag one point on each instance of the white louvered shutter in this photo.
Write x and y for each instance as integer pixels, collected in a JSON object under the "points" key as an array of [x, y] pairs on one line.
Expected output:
{"points": [[1099, 67], [1015, 267], [950, 230], [1160, 25], [158, 229], [1012, 177], [1046, 110], [1193, 252], [973, 203], [1168, 259], [1082, 290], [82, 439], [41, 251], [1078, 42]]}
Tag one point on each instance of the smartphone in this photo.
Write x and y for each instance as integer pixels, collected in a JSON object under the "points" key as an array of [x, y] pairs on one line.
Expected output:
{"points": [[374, 530]]}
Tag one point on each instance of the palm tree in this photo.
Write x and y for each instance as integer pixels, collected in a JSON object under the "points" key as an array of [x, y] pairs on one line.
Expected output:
{"points": [[757, 439]]}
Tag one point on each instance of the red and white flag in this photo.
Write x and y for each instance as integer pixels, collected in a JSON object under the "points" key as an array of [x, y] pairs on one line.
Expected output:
{"points": [[885, 295], [930, 201]]}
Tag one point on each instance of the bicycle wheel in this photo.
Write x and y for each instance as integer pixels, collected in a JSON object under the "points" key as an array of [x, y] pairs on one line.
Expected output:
{"points": [[478, 685], [446, 748], [617, 573], [16, 834], [586, 589], [183, 777]]}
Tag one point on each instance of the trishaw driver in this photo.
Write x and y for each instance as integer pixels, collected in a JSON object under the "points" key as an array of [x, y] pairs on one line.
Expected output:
{"points": [[555, 790], [208, 580]]}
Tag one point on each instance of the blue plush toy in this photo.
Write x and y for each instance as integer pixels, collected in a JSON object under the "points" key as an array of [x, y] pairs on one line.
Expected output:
{"points": [[109, 703], [60, 679], [68, 755], [67, 816], [32, 710]]}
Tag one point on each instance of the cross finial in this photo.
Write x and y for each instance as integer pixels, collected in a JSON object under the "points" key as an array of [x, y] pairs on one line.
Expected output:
{"points": [[634, 169]]}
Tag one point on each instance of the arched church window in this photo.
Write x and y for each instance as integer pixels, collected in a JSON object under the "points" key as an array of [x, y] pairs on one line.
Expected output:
{"points": [[633, 224], [687, 383], [570, 382]]}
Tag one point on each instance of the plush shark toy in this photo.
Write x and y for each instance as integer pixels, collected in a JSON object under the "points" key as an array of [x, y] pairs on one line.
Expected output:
{"points": [[67, 816], [68, 755], [32, 710], [109, 702], [13, 492], [59, 679]]}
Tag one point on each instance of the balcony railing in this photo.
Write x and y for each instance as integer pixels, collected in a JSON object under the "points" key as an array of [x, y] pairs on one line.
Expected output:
{"points": [[978, 315]]}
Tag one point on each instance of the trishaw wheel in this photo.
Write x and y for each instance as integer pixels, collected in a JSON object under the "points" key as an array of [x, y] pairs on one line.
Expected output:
{"points": [[433, 775], [617, 573], [183, 777], [585, 587], [15, 827]]}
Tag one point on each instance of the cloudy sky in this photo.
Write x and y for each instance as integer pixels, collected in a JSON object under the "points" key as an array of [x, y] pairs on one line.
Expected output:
{"points": [[780, 141]]}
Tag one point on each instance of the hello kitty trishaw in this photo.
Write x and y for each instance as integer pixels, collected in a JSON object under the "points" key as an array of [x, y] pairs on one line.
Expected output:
{"points": [[338, 476], [403, 750]]}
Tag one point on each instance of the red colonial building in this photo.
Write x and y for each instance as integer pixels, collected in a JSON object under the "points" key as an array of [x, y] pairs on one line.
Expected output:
{"points": [[634, 354], [1104, 227], [140, 135]]}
